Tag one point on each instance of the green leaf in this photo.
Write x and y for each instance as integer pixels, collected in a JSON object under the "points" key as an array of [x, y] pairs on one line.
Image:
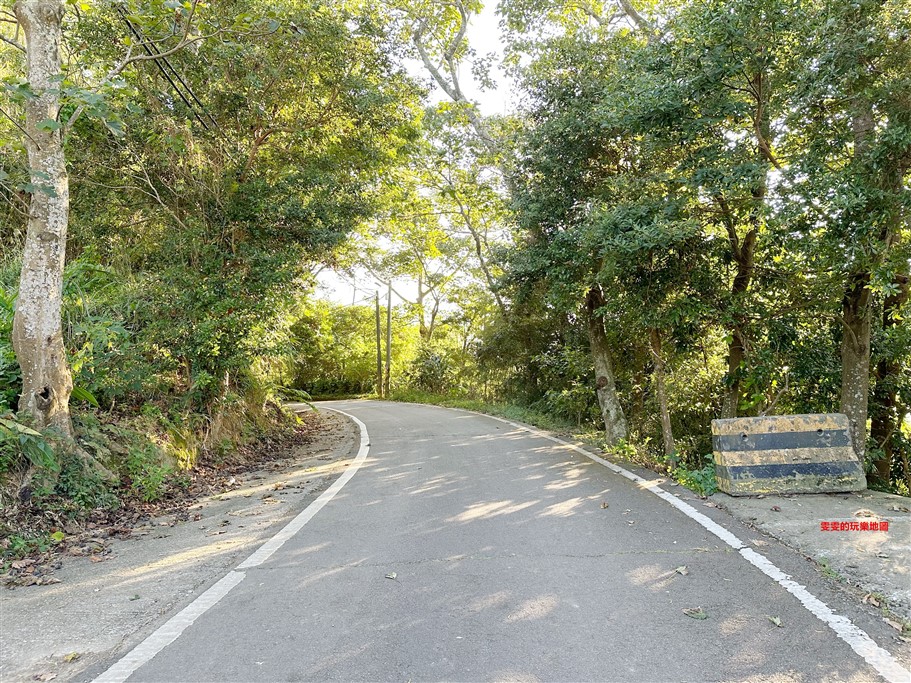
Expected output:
{"points": [[81, 394], [13, 426], [57, 536], [48, 124], [695, 613], [115, 126]]}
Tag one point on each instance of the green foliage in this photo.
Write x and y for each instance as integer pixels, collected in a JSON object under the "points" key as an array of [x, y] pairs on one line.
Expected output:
{"points": [[78, 485], [26, 543], [148, 476], [701, 480], [429, 371], [728, 185], [10, 374], [625, 450], [200, 205], [18, 442]]}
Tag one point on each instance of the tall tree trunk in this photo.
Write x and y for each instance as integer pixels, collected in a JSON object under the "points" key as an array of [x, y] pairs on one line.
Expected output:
{"points": [[887, 417], [37, 333], [611, 411], [857, 312], [386, 379], [855, 360], [744, 257], [667, 432], [379, 350], [744, 251]]}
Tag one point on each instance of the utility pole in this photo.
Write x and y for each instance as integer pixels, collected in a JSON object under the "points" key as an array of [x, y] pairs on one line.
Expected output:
{"points": [[379, 349], [388, 338]]}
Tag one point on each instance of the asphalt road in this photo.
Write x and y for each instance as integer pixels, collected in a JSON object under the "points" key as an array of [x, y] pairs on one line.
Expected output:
{"points": [[506, 567]]}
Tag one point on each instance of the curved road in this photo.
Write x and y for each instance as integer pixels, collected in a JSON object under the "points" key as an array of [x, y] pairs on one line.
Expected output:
{"points": [[506, 567]]}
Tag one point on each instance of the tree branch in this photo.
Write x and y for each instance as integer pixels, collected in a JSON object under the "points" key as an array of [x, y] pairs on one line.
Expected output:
{"points": [[641, 22], [10, 41]]}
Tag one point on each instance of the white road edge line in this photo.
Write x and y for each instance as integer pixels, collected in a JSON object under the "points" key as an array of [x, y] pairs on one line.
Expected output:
{"points": [[171, 630], [881, 660]]}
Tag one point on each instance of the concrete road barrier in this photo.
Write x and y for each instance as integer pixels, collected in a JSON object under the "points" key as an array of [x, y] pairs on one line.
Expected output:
{"points": [[785, 454]]}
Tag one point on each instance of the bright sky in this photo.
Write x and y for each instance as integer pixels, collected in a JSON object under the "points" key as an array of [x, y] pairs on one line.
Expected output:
{"points": [[484, 37]]}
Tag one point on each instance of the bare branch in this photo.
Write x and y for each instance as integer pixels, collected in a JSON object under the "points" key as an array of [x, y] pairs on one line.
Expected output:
{"points": [[641, 22], [10, 41], [21, 129]]}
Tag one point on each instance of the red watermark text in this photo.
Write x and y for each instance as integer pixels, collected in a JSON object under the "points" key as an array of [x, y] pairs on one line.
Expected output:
{"points": [[854, 526]]}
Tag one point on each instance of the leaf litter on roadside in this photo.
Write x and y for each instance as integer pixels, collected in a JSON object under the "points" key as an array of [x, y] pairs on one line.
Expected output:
{"points": [[90, 534], [774, 620], [871, 599]]}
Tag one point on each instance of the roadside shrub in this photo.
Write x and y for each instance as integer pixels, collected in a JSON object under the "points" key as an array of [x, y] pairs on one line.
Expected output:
{"points": [[429, 371], [147, 472], [701, 480], [10, 376]]}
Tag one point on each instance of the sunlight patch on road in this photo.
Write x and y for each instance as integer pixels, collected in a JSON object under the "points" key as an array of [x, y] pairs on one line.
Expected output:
{"points": [[489, 601], [490, 510], [562, 509], [537, 608], [193, 554]]}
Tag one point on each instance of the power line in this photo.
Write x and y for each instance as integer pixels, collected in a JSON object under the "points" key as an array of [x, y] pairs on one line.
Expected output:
{"points": [[138, 35], [152, 51]]}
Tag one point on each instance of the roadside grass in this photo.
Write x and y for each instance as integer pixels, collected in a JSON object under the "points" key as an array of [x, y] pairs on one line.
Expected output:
{"points": [[509, 411]]}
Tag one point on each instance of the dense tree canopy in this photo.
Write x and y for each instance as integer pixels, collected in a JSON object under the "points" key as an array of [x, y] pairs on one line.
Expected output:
{"points": [[693, 210]]}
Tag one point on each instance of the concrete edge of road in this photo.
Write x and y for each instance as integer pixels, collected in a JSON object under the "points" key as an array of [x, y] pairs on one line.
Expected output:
{"points": [[877, 657], [168, 632]]}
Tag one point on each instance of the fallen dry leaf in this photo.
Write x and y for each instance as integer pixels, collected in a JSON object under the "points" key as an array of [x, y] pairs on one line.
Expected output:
{"points": [[604, 506], [72, 657], [774, 620], [391, 575], [682, 570], [894, 624], [775, 508], [46, 676]]}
